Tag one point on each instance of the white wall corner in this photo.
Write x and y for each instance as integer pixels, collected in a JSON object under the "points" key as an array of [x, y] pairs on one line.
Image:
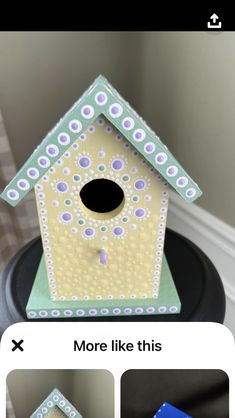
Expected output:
{"points": [[213, 236]]}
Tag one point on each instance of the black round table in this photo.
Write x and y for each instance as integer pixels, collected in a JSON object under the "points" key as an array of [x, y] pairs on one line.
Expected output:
{"points": [[198, 283]]}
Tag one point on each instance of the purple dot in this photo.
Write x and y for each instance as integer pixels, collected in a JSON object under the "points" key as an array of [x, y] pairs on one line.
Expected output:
{"points": [[114, 110], [89, 232], [190, 193], [63, 138], [43, 161], [149, 148], [84, 162], [87, 111], [127, 123], [117, 164], [181, 181], [74, 125], [61, 186], [138, 135], [12, 194], [51, 151], [32, 172], [140, 213], [101, 98], [160, 158], [140, 184], [171, 170], [22, 184], [66, 216], [118, 231]]}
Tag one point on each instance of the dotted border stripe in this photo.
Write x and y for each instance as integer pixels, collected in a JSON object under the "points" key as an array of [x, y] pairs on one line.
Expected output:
{"points": [[152, 309], [56, 399], [101, 97]]}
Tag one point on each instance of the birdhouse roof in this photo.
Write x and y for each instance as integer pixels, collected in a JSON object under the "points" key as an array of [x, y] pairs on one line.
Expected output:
{"points": [[100, 98], [56, 399]]}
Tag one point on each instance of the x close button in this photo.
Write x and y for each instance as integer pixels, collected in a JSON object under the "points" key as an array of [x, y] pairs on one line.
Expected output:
{"points": [[17, 345]]}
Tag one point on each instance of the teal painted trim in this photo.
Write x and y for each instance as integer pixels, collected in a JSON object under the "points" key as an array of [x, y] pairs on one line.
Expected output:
{"points": [[40, 306], [100, 98], [56, 399]]}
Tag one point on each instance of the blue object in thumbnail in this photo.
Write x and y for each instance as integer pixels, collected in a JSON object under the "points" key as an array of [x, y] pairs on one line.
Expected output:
{"points": [[169, 411]]}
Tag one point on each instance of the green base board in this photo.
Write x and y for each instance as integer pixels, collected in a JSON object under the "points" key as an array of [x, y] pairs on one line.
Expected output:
{"points": [[40, 306]]}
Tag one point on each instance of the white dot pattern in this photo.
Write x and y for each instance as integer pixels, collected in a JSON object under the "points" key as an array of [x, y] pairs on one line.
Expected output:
{"points": [[101, 95], [56, 399]]}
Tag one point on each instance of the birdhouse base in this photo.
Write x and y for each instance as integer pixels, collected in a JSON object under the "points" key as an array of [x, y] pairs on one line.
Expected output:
{"points": [[40, 306]]}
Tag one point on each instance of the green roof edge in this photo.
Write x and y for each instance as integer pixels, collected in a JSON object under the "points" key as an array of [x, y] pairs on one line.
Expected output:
{"points": [[62, 403], [189, 190]]}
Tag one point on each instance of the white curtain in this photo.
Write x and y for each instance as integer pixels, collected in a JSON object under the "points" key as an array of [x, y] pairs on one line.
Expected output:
{"points": [[17, 225], [9, 407]]}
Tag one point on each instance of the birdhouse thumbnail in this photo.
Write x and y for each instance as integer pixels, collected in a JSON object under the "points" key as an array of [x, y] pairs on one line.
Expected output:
{"points": [[169, 411], [101, 179], [56, 406]]}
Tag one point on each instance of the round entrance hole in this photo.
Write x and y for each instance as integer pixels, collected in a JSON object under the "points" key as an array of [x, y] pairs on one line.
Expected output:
{"points": [[102, 196]]}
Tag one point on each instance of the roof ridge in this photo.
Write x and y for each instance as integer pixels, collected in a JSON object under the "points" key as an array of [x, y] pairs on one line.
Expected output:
{"points": [[100, 97]]}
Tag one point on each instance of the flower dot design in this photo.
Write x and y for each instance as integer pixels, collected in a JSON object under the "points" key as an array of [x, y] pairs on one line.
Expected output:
{"points": [[63, 138], [128, 124], [75, 125], [76, 178], [101, 168], [171, 171], [62, 187], [52, 150], [33, 173], [117, 164], [190, 192], [149, 147], [161, 158], [23, 184], [89, 232], [55, 203], [101, 98], [115, 110], [84, 162], [139, 135], [87, 111], [140, 213], [118, 231], [182, 181], [101, 154], [12, 194], [140, 185], [66, 217]]}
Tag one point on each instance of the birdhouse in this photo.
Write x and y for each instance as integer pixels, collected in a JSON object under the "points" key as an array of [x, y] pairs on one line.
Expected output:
{"points": [[101, 179], [56, 406], [169, 411]]}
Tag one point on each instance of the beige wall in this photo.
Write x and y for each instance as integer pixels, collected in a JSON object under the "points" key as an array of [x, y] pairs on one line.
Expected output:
{"points": [[90, 391], [182, 83], [188, 97]]}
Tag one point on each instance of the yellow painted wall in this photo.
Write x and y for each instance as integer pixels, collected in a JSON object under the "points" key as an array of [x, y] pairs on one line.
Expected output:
{"points": [[56, 413], [73, 236]]}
